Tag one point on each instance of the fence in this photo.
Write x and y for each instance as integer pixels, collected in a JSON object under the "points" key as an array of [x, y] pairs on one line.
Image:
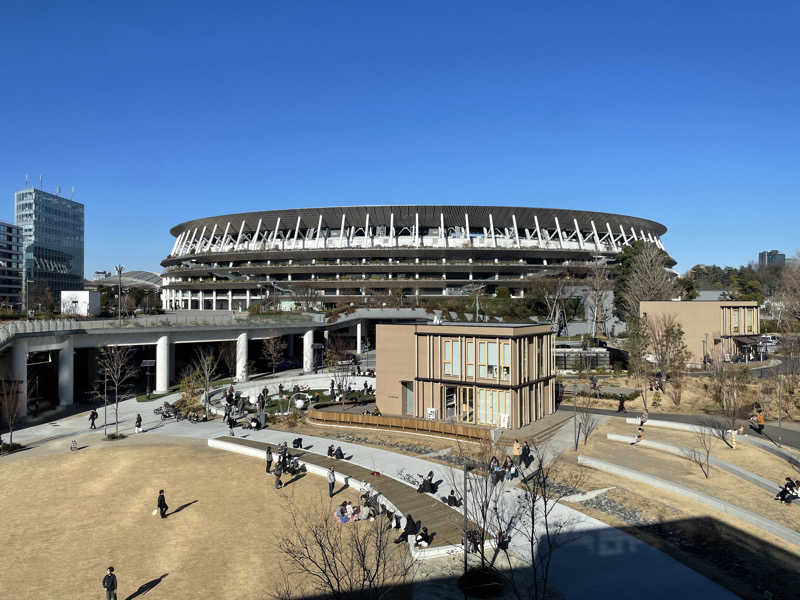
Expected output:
{"points": [[473, 432]]}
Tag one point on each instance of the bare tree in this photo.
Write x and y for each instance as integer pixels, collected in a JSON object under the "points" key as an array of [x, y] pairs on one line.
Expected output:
{"points": [[339, 561], [636, 345], [701, 453], [670, 351], [600, 291], [587, 420], [273, 350], [648, 279], [116, 364], [336, 361], [11, 397], [205, 363], [788, 299], [728, 388], [227, 354], [306, 297]]}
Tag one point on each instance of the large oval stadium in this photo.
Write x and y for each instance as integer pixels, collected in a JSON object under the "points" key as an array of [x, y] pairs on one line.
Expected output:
{"points": [[369, 255]]}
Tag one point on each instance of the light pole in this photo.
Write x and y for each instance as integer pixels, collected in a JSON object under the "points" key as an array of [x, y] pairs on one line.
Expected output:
{"points": [[119, 269]]}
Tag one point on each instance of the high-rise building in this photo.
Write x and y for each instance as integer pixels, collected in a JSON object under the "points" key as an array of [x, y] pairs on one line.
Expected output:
{"points": [[771, 257], [52, 241], [10, 265]]}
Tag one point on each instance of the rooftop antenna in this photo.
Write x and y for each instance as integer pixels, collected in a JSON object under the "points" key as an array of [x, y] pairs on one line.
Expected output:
{"points": [[27, 180], [41, 182], [72, 195], [58, 190]]}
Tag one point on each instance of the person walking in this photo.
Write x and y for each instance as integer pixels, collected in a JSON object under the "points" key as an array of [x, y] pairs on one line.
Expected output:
{"points": [[92, 419], [110, 584], [526, 454], [517, 451], [138, 428], [162, 504], [331, 481], [269, 459], [278, 472]]}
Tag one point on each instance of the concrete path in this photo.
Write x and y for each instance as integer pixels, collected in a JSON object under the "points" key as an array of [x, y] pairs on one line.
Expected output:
{"points": [[604, 555]]}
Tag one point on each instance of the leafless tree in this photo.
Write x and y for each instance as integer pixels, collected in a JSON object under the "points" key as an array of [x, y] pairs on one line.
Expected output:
{"points": [[789, 292], [728, 389], [648, 279], [701, 453], [11, 397], [227, 354], [540, 524], [670, 351], [336, 360], [600, 290], [116, 364], [305, 296], [205, 363], [636, 345], [338, 561], [587, 420], [273, 350]]}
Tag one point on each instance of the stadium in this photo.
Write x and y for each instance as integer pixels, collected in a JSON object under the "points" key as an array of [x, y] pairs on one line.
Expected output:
{"points": [[377, 255]]}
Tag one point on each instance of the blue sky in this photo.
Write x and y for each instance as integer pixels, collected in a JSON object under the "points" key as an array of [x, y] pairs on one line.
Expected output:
{"points": [[687, 113]]}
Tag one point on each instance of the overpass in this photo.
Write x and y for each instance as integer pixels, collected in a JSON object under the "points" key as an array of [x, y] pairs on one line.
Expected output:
{"points": [[65, 336]]}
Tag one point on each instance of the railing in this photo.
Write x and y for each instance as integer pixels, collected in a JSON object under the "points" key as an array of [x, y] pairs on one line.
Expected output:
{"points": [[473, 432]]}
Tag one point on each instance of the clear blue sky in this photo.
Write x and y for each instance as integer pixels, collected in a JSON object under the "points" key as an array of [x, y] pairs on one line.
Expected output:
{"points": [[687, 113]]}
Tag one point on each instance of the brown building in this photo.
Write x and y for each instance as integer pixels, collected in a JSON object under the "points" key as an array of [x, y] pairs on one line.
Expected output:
{"points": [[480, 373], [715, 329]]}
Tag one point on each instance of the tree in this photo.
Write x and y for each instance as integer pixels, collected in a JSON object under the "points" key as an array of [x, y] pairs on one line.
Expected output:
{"points": [[636, 345], [11, 397], [642, 275], [116, 364], [587, 420], [336, 361], [701, 453], [670, 351], [789, 291], [227, 354], [600, 290], [339, 562], [728, 387], [273, 350], [205, 363]]}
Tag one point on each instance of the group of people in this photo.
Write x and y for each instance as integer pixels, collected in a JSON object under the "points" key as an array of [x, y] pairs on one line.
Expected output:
{"points": [[335, 452], [428, 486], [285, 463], [499, 472], [347, 513], [790, 491], [640, 429]]}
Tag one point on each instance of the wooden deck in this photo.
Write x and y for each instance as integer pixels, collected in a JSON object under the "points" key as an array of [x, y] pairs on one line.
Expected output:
{"points": [[444, 523]]}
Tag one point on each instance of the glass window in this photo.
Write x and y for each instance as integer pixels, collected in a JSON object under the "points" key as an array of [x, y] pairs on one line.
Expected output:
{"points": [[482, 360], [467, 405], [748, 315], [491, 360], [506, 362], [735, 320], [457, 358], [447, 359], [470, 359]]}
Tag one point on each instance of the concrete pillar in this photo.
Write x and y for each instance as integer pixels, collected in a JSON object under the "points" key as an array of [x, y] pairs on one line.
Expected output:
{"points": [[171, 371], [162, 365], [308, 351], [241, 357], [19, 372], [66, 373], [358, 337]]}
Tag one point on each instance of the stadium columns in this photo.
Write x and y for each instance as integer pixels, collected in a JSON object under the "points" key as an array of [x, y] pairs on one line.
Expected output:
{"points": [[162, 364], [19, 372], [308, 351], [358, 337], [241, 357], [66, 372]]}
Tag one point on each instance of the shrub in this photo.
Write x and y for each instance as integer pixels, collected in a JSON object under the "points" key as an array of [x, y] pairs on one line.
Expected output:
{"points": [[115, 436]]}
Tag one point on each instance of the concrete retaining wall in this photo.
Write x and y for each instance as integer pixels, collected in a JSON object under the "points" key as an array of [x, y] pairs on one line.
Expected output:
{"points": [[715, 503]]}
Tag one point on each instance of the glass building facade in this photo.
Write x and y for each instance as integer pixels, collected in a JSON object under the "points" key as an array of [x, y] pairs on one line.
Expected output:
{"points": [[10, 266], [52, 241]]}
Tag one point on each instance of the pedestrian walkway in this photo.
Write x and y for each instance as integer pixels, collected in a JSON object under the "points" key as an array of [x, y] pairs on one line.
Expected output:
{"points": [[445, 524]]}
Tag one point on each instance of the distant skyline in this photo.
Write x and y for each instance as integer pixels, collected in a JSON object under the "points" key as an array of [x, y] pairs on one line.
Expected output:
{"points": [[681, 112]]}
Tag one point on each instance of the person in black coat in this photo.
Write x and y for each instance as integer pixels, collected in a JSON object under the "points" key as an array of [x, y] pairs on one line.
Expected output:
{"points": [[110, 584], [338, 454], [269, 459], [93, 418], [162, 504]]}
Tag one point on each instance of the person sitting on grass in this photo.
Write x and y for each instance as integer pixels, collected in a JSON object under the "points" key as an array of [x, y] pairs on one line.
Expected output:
{"points": [[423, 539], [338, 454]]}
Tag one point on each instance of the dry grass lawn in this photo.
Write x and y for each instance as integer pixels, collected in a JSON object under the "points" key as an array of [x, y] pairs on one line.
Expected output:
{"points": [[67, 516]]}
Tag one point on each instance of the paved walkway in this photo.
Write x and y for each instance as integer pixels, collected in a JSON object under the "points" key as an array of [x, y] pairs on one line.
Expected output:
{"points": [[608, 559]]}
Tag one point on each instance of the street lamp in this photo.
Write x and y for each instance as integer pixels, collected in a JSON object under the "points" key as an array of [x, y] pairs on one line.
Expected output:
{"points": [[119, 269]]}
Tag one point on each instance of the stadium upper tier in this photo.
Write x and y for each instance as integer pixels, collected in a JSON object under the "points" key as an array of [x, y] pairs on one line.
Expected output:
{"points": [[351, 252]]}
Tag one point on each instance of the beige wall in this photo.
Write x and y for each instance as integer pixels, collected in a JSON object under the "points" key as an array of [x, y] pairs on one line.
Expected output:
{"points": [[707, 323], [394, 363]]}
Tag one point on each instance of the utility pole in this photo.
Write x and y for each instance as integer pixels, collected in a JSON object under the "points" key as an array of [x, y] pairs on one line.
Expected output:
{"points": [[119, 269]]}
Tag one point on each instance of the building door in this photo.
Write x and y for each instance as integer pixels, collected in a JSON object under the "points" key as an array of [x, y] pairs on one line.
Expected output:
{"points": [[408, 398], [467, 405], [449, 402]]}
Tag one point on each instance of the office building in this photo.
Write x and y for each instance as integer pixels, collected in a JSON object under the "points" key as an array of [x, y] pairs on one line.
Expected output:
{"points": [[10, 266], [771, 257], [52, 241], [498, 375]]}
